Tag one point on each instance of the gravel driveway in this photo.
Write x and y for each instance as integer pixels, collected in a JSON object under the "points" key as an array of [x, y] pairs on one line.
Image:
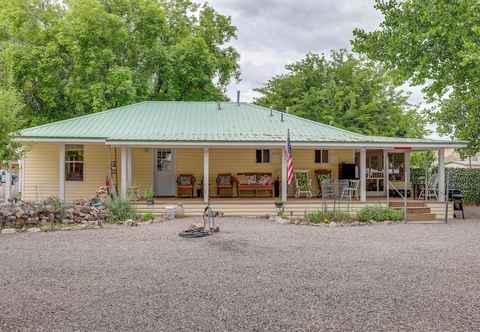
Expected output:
{"points": [[254, 275]]}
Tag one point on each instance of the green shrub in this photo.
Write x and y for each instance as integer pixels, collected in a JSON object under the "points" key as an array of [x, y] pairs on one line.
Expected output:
{"points": [[326, 217], [379, 213], [120, 209], [148, 216]]}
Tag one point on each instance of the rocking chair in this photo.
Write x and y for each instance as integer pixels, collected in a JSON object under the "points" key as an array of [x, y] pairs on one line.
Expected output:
{"points": [[303, 184]]}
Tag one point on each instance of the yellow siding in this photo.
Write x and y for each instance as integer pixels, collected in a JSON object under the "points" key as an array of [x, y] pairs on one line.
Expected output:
{"points": [[305, 159], [236, 161], [96, 169], [142, 160], [189, 161], [41, 172], [41, 167]]}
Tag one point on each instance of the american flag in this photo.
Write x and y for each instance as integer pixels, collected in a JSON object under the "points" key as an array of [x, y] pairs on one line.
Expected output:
{"points": [[288, 150]]}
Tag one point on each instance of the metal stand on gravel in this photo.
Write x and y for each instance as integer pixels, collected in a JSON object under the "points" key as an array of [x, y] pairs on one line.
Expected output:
{"points": [[209, 227]]}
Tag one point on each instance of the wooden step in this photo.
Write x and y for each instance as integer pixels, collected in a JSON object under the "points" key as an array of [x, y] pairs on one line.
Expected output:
{"points": [[414, 210], [400, 204], [421, 217]]}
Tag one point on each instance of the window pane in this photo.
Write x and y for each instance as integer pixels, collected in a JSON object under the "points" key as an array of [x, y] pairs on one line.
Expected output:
{"points": [[266, 156], [325, 156], [259, 156], [74, 171], [318, 158]]}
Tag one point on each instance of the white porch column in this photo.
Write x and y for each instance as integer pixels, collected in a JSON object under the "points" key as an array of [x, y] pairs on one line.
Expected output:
{"points": [[61, 172], [8, 185], [363, 175], [123, 172], [408, 158], [441, 175], [206, 180], [386, 180], [129, 167], [284, 176]]}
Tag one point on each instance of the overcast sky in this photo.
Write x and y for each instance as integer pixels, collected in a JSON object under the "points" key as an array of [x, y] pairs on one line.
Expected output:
{"points": [[273, 33]]}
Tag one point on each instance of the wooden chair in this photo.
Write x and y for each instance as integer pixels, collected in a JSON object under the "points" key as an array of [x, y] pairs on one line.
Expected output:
{"points": [[303, 183], [185, 183], [225, 182]]}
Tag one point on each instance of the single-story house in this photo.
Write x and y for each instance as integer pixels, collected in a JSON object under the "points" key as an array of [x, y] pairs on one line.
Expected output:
{"points": [[161, 146]]}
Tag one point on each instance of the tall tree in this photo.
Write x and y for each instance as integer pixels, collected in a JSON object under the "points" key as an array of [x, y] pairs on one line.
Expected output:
{"points": [[434, 43], [346, 92], [73, 57], [11, 105]]}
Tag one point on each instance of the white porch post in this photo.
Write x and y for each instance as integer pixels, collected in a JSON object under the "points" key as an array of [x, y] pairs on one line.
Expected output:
{"points": [[206, 180], [386, 180], [363, 175], [123, 172], [61, 172], [284, 176], [8, 183], [408, 158], [129, 167], [441, 175]]}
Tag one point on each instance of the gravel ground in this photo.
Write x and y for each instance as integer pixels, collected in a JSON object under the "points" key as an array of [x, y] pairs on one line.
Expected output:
{"points": [[254, 275]]}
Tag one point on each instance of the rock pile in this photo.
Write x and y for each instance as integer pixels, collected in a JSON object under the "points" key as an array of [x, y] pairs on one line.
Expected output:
{"points": [[25, 214]]}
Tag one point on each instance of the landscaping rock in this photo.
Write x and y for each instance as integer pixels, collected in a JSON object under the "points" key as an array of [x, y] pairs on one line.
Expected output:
{"points": [[9, 231], [34, 230]]}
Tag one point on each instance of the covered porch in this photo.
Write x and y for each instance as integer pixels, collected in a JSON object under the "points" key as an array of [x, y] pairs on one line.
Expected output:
{"points": [[242, 173]]}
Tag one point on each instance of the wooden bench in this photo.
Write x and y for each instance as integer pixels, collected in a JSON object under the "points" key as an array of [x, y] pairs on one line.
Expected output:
{"points": [[254, 182]]}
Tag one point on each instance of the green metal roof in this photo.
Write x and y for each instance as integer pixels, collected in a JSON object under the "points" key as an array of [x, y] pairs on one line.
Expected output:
{"points": [[165, 121]]}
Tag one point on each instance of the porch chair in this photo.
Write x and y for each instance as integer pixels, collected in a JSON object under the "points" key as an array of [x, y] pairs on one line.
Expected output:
{"points": [[225, 182], [343, 184], [185, 184], [327, 189], [320, 176], [303, 183], [351, 191], [430, 189]]}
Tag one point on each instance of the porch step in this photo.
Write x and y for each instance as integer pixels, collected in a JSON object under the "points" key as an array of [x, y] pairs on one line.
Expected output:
{"points": [[410, 204], [421, 217]]}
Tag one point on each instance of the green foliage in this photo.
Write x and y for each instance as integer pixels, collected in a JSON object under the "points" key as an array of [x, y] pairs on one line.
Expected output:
{"points": [[149, 194], [120, 209], [466, 180], [345, 92], [422, 159], [326, 217], [379, 214], [81, 56], [11, 106], [433, 44], [148, 216]]}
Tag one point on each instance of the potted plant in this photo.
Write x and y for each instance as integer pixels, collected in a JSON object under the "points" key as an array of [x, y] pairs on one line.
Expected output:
{"points": [[149, 197], [279, 204]]}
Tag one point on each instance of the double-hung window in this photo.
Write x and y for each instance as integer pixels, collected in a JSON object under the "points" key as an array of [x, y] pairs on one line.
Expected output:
{"points": [[74, 163], [321, 156], [263, 156]]}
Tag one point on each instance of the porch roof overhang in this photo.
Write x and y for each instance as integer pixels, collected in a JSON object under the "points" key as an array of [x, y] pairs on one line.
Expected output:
{"points": [[210, 124], [242, 144]]}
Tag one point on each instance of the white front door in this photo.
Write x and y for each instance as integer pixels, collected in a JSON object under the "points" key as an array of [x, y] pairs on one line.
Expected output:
{"points": [[165, 179]]}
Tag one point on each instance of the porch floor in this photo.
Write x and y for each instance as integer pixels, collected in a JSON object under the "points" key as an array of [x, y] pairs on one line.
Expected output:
{"points": [[263, 206]]}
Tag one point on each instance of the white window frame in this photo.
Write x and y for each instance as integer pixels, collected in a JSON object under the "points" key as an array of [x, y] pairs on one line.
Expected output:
{"points": [[74, 147]]}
